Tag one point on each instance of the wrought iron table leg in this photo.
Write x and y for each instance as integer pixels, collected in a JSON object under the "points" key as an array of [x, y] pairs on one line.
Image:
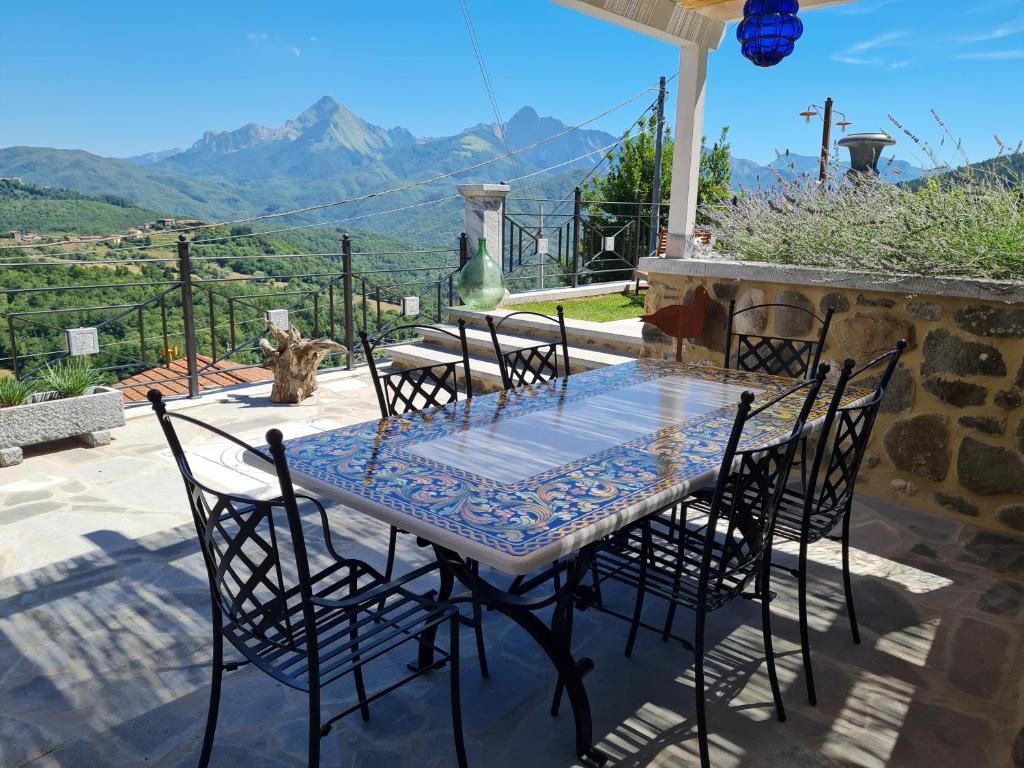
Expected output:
{"points": [[553, 640], [425, 658]]}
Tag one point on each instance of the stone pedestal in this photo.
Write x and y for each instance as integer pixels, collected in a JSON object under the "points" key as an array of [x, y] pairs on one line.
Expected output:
{"points": [[484, 211]]}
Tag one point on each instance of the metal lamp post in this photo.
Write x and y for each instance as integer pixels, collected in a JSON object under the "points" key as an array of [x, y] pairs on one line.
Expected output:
{"points": [[825, 113]]}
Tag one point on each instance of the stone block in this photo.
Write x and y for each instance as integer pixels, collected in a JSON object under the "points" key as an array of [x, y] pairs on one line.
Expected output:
{"points": [[991, 320], [955, 391], [882, 301], [1002, 599], [985, 424], [1011, 515], [926, 310], [652, 334], [1008, 399], [982, 649], [1018, 381], [835, 301], [956, 503], [724, 291], [946, 353], [11, 456], [920, 444], [716, 318], [95, 439], [1020, 436], [753, 321], [899, 395], [989, 469], [863, 335], [793, 323]]}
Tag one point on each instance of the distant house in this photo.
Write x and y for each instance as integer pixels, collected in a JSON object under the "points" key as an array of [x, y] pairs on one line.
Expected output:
{"points": [[165, 223], [134, 232], [114, 239], [190, 222]]}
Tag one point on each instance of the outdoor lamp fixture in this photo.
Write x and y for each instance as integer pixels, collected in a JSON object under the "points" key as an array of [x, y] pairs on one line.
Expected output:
{"points": [[825, 113], [769, 30]]}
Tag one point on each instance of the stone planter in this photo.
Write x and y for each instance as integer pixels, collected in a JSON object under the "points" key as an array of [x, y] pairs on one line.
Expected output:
{"points": [[42, 419]]}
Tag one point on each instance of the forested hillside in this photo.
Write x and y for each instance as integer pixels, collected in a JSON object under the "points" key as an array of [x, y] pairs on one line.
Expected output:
{"points": [[28, 207]]}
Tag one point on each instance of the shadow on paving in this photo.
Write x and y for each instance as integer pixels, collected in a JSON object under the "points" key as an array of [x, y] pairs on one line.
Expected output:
{"points": [[104, 661]]}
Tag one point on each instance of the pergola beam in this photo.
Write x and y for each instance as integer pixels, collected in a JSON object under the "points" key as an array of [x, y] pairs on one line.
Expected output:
{"points": [[664, 19]]}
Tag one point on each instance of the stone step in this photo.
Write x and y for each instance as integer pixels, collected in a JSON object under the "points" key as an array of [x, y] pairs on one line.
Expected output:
{"points": [[479, 343], [438, 348], [619, 336], [484, 371]]}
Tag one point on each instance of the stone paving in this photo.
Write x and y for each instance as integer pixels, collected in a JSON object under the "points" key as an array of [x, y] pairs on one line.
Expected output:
{"points": [[104, 639]]}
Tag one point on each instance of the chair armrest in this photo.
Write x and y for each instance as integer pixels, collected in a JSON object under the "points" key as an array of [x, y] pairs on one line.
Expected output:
{"points": [[378, 592]]}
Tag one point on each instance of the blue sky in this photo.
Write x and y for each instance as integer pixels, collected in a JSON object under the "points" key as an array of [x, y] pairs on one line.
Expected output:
{"points": [[119, 78]]}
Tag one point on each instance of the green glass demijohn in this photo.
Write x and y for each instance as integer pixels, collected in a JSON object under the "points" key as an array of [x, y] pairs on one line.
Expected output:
{"points": [[481, 284]]}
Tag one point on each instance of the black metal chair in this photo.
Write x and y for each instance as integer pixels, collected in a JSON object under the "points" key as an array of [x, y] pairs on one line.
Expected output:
{"points": [[705, 561], [414, 389], [305, 629], [778, 355], [411, 390], [808, 516], [530, 365]]}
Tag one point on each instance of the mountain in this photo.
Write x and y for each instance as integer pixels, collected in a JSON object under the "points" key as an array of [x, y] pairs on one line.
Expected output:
{"points": [[327, 153], [148, 158], [748, 175]]}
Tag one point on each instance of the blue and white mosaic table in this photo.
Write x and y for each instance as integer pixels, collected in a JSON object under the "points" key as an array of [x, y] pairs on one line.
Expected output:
{"points": [[516, 480]]}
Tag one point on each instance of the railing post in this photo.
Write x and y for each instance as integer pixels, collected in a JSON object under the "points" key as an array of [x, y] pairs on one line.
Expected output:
{"points": [[14, 345], [463, 257], [346, 261], [188, 315], [652, 235], [577, 204]]}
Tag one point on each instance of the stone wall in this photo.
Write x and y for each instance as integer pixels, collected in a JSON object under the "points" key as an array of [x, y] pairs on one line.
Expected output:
{"points": [[950, 435]]}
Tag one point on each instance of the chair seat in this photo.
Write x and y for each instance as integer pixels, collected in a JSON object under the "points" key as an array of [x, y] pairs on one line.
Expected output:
{"points": [[789, 518], [673, 571], [790, 514], [347, 637]]}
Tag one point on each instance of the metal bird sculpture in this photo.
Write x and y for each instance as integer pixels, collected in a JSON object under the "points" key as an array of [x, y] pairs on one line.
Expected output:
{"points": [[681, 321]]}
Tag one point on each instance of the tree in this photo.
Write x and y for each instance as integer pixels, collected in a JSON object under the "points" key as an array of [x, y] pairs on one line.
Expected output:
{"points": [[631, 172]]}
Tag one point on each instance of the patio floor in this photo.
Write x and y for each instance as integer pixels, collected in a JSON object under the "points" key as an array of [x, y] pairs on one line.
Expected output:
{"points": [[104, 639]]}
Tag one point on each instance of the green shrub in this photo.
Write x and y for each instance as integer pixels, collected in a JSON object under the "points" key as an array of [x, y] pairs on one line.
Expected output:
{"points": [[13, 392], [69, 377], [962, 220]]}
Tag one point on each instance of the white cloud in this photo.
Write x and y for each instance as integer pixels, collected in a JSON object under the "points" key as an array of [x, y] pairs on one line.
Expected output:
{"points": [[1017, 53], [901, 64], [854, 54], [876, 42], [863, 9], [314, 39], [294, 51], [257, 37], [1004, 30]]}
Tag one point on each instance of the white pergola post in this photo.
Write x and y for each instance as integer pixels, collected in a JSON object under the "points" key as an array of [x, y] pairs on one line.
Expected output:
{"points": [[688, 131]]}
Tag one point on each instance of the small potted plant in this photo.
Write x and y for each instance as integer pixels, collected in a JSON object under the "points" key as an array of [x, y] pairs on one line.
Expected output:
{"points": [[67, 399]]}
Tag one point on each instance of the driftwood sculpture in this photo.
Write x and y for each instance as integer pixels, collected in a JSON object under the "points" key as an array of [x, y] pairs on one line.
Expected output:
{"points": [[294, 363], [681, 321]]}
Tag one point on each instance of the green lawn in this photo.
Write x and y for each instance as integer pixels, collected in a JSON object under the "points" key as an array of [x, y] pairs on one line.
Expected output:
{"points": [[612, 306]]}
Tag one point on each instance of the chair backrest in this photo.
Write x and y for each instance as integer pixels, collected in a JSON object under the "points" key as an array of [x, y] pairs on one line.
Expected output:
{"points": [[778, 355], [254, 588], [748, 489], [414, 389], [535, 364], [849, 427]]}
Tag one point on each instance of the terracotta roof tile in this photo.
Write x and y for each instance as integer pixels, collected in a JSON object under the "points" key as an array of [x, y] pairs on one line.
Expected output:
{"points": [[213, 375]]}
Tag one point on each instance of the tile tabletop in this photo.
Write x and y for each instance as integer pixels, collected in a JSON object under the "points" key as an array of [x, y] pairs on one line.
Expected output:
{"points": [[518, 479]]}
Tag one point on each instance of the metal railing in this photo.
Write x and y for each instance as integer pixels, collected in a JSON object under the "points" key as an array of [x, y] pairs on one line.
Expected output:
{"points": [[547, 243], [210, 319]]}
